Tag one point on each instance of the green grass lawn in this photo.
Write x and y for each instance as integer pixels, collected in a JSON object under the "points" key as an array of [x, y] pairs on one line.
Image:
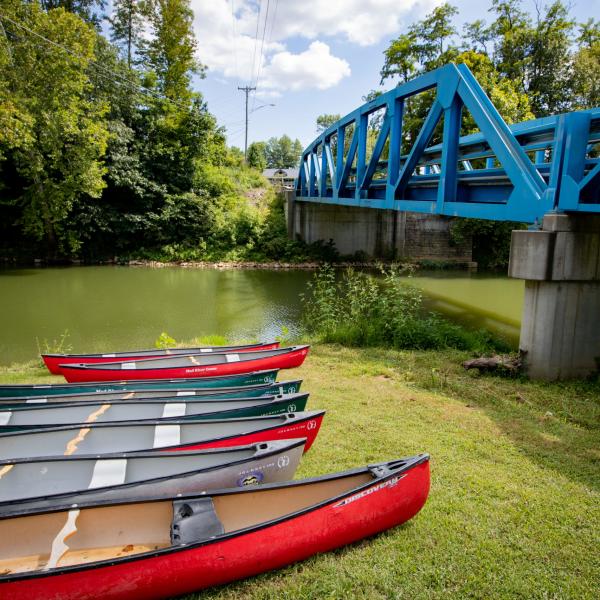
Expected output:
{"points": [[514, 508]]}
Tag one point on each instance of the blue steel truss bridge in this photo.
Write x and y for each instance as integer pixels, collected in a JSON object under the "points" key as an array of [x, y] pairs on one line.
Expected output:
{"points": [[503, 172]]}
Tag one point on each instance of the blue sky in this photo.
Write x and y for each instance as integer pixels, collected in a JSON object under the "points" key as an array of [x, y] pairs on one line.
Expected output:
{"points": [[318, 56]]}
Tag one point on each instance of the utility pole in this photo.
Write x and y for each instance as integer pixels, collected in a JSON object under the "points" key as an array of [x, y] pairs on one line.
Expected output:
{"points": [[246, 89]]}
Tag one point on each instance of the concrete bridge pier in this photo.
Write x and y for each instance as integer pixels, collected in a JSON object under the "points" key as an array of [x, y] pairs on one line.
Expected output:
{"points": [[560, 328]]}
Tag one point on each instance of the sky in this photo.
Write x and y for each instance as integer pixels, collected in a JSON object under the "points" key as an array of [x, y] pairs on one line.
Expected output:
{"points": [[307, 57]]}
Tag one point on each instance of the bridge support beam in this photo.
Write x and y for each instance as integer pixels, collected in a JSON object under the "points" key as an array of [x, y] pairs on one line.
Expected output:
{"points": [[560, 328]]}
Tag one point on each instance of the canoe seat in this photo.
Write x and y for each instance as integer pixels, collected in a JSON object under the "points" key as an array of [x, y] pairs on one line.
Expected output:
{"points": [[194, 521]]}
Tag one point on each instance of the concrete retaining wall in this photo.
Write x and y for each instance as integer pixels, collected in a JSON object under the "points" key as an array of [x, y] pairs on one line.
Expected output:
{"points": [[377, 233]]}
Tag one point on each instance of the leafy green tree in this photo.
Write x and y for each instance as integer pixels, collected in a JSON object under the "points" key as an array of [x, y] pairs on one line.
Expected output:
{"points": [[586, 66], [170, 53], [126, 24], [282, 152], [257, 155], [513, 34], [549, 73], [89, 10], [57, 154], [325, 121]]}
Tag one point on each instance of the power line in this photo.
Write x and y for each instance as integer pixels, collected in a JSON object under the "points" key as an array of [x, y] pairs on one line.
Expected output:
{"points": [[255, 42], [262, 46], [233, 42]]}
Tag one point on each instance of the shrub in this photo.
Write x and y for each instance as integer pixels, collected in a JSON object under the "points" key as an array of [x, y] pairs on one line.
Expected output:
{"points": [[358, 309]]}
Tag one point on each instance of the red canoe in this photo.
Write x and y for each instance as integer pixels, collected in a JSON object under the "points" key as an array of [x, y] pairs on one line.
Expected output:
{"points": [[108, 438], [53, 361], [166, 548], [196, 365]]}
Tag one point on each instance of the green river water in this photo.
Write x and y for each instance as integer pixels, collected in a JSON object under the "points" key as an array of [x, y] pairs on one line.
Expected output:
{"points": [[108, 308]]}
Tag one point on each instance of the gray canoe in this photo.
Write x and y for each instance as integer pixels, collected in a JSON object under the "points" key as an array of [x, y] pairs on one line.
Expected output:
{"points": [[40, 482], [34, 415], [281, 387], [106, 438]]}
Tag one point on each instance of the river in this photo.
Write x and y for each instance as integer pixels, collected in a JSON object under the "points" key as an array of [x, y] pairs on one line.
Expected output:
{"points": [[108, 308]]}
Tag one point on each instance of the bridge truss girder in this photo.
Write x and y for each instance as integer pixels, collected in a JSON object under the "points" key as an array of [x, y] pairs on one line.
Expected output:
{"points": [[503, 173]]}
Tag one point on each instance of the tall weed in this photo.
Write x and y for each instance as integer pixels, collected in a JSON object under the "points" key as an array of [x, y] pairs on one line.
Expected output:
{"points": [[358, 309]]}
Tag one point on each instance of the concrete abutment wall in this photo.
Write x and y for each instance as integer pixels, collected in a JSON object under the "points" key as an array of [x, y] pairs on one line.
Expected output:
{"points": [[376, 233]]}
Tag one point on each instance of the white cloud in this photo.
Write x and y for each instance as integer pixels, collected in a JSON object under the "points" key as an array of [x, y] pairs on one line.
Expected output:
{"points": [[227, 44], [362, 22], [313, 68]]}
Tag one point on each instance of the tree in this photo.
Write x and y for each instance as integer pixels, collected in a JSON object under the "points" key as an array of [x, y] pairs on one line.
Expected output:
{"points": [[170, 53], [586, 66], [548, 84], [126, 24], [512, 40], [89, 10], [325, 121], [57, 156], [257, 155], [283, 153]]}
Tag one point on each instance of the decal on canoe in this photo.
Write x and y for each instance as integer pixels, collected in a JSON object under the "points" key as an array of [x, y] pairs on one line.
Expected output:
{"points": [[311, 425], [291, 408], [128, 366], [283, 461], [253, 479], [376, 488], [232, 358]]}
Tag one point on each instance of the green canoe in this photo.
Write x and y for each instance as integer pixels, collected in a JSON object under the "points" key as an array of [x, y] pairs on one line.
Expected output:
{"points": [[252, 391], [149, 411], [45, 390]]}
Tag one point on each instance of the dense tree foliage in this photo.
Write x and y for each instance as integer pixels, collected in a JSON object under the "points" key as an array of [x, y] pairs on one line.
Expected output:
{"points": [[105, 149]]}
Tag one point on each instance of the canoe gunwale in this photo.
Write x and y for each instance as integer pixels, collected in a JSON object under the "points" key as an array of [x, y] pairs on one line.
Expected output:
{"points": [[259, 453], [151, 381], [409, 463]]}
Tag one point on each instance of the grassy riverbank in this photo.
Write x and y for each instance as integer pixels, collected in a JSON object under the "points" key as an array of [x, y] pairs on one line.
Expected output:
{"points": [[514, 509]]}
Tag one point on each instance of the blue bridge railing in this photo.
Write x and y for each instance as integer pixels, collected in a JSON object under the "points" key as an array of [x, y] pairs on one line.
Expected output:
{"points": [[505, 173]]}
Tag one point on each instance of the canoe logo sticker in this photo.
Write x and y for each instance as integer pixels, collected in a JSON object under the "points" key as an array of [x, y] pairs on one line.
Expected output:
{"points": [[376, 488], [252, 479], [291, 408], [283, 461], [311, 425]]}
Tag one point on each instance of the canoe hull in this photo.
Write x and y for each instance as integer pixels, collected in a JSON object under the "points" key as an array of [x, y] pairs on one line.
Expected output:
{"points": [[286, 360], [53, 361], [382, 506], [190, 473], [108, 438], [140, 411], [45, 390], [181, 395]]}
